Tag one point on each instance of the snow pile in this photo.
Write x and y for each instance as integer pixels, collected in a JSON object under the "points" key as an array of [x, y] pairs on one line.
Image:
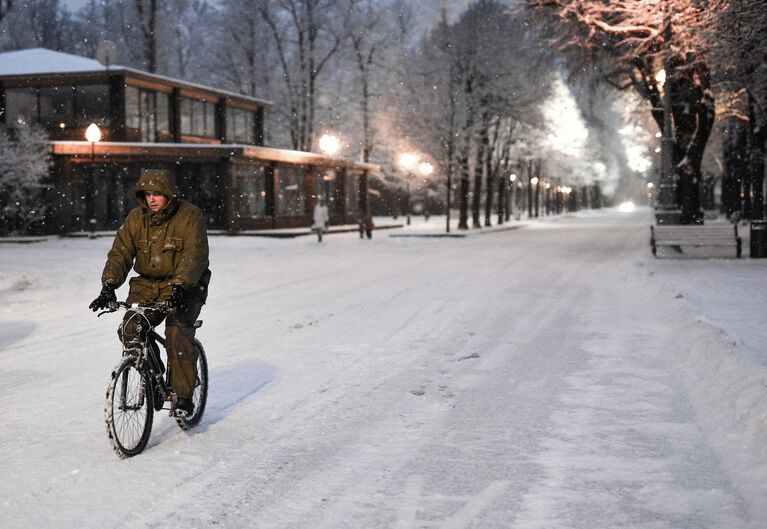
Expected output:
{"points": [[728, 383]]}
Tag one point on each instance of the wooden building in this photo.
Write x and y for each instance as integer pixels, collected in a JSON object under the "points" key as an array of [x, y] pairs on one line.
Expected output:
{"points": [[210, 140]]}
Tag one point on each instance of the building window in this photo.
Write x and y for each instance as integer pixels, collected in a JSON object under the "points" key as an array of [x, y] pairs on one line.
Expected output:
{"points": [[240, 125], [249, 190], [291, 188], [132, 108], [148, 113], [163, 116], [92, 104], [185, 107], [20, 105], [352, 192], [325, 186], [57, 106], [198, 118]]}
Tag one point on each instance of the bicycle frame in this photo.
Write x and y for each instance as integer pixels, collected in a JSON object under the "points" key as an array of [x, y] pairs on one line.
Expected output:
{"points": [[142, 344]]}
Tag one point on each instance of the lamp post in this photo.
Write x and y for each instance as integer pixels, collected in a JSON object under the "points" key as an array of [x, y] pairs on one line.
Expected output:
{"points": [[409, 162], [665, 210], [547, 199], [512, 203], [93, 135], [534, 182], [329, 145]]}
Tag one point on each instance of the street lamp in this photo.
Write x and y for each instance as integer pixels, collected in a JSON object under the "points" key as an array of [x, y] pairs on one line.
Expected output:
{"points": [[329, 144], [512, 179], [409, 162], [93, 135], [547, 198]]}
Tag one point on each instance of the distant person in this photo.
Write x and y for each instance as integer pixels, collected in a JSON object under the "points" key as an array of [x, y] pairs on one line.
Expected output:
{"points": [[321, 217], [366, 226]]}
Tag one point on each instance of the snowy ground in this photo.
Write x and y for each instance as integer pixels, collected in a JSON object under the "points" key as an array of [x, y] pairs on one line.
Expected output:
{"points": [[554, 376]]}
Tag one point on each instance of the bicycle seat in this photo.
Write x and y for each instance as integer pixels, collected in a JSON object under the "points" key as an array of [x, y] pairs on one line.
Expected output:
{"points": [[197, 324]]}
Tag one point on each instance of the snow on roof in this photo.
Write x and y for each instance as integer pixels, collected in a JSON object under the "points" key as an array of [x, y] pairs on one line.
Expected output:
{"points": [[44, 61]]}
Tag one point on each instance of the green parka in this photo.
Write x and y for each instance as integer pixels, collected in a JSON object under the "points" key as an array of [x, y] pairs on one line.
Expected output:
{"points": [[169, 246]]}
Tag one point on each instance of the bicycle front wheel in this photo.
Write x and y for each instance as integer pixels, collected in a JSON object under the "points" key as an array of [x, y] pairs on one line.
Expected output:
{"points": [[129, 409], [200, 395]]}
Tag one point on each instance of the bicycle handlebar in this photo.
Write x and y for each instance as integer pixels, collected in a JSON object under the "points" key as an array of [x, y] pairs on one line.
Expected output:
{"points": [[114, 306]]}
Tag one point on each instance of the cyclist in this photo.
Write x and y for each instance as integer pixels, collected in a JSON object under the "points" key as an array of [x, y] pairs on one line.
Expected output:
{"points": [[165, 241]]}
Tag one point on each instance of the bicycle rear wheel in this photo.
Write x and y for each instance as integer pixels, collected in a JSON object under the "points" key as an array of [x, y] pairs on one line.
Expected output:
{"points": [[129, 409], [200, 395]]}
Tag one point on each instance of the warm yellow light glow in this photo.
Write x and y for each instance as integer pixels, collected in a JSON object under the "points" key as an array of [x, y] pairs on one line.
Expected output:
{"points": [[548, 185], [425, 168], [534, 180], [658, 134], [329, 144], [660, 77], [93, 133], [512, 177], [650, 185], [408, 160], [626, 207]]}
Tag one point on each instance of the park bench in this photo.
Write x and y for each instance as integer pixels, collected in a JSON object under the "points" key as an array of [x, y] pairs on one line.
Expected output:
{"points": [[678, 237]]}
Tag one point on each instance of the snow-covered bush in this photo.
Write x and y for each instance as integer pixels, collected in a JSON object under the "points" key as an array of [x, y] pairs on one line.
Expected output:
{"points": [[24, 172]]}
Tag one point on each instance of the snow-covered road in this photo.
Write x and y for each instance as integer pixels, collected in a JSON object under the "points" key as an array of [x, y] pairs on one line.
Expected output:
{"points": [[520, 379]]}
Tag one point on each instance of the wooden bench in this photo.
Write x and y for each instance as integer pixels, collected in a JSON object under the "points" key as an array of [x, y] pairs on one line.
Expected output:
{"points": [[679, 236]]}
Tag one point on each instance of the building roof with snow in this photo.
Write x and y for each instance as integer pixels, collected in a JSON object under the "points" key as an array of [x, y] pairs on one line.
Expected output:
{"points": [[42, 62]]}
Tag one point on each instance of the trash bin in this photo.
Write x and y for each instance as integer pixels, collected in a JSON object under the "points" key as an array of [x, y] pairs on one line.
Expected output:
{"points": [[759, 239]]}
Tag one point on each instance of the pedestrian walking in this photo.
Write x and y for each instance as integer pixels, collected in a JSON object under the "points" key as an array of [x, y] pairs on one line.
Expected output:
{"points": [[366, 226], [320, 220]]}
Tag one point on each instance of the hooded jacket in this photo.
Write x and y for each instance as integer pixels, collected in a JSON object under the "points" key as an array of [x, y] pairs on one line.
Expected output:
{"points": [[166, 247]]}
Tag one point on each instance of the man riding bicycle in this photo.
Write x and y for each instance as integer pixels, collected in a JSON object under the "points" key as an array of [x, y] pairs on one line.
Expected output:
{"points": [[165, 241]]}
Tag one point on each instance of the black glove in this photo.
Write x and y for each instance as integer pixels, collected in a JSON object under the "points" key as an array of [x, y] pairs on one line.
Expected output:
{"points": [[106, 296], [177, 298]]}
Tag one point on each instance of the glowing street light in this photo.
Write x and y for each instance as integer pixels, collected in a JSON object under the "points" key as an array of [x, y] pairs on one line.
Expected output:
{"points": [[660, 77], [93, 135], [409, 161], [329, 144]]}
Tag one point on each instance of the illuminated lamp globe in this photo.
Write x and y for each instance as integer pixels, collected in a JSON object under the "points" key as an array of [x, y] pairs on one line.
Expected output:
{"points": [[93, 133], [329, 144]]}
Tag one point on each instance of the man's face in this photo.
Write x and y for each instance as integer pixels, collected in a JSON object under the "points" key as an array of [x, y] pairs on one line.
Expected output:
{"points": [[155, 201]]}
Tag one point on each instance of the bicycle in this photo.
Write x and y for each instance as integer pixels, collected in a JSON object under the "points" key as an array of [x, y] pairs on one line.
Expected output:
{"points": [[140, 385]]}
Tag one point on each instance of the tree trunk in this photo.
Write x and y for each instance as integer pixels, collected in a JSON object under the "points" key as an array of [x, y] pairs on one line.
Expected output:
{"points": [[735, 167], [756, 142], [693, 114], [463, 215], [148, 18], [479, 170]]}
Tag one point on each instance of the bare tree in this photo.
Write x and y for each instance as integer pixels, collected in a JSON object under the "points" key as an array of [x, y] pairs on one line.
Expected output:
{"points": [[5, 6], [36, 23], [305, 39], [24, 167], [626, 40], [147, 15], [736, 37]]}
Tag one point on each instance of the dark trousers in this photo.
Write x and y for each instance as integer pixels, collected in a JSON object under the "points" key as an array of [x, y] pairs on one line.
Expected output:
{"points": [[179, 345]]}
